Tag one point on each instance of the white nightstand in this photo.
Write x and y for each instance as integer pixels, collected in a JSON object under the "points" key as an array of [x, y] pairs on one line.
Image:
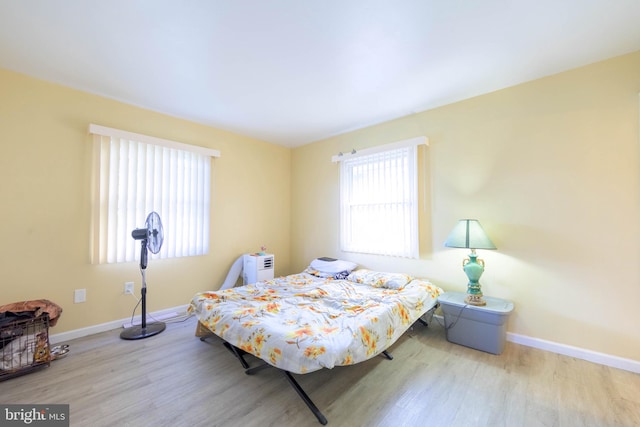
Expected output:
{"points": [[480, 327]]}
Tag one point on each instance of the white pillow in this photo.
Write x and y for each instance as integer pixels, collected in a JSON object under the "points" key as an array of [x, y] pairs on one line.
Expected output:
{"points": [[380, 279], [323, 265]]}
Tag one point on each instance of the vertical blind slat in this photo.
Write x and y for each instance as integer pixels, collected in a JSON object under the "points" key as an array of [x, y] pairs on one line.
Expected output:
{"points": [[379, 203], [139, 178]]}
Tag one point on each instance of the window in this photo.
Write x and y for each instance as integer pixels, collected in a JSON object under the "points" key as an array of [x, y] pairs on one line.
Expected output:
{"points": [[136, 174], [379, 200]]}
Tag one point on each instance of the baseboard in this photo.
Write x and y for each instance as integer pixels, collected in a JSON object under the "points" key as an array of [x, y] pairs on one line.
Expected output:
{"points": [[103, 327], [567, 350], [577, 352]]}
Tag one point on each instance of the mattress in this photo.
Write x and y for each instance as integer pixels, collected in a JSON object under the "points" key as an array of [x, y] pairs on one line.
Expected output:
{"points": [[302, 323]]}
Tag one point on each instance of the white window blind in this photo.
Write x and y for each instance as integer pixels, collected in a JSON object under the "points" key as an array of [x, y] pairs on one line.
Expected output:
{"points": [[137, 174], [379, 201]]}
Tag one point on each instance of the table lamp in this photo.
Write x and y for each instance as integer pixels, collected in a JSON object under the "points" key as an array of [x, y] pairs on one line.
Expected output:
{"points": [[468, 233]]}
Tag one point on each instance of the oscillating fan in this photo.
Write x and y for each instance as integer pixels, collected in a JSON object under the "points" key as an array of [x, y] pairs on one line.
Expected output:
{"points": [[151, 238]]}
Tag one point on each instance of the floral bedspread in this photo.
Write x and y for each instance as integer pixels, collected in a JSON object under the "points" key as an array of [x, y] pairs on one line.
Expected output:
{"points": [[301, 323]]}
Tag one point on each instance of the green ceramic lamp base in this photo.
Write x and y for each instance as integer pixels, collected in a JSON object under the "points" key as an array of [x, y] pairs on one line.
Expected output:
{"points": [[474, 267]]}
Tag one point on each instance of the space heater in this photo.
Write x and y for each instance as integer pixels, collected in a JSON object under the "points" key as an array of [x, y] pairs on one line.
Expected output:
{"points": [[256, 268]]}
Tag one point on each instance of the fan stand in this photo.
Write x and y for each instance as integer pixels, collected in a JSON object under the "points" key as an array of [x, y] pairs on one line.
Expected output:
{"points": [[144, 330]]}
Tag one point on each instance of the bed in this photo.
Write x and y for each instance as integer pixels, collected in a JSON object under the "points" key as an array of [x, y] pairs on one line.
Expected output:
{"points": [[315, 319]]}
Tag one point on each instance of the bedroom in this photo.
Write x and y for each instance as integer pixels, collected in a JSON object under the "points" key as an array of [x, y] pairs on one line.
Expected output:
{"points": [[551, 167]]}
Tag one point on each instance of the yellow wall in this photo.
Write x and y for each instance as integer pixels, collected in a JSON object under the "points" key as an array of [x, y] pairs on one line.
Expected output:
{"points": [[45, 159], [551, 168]]}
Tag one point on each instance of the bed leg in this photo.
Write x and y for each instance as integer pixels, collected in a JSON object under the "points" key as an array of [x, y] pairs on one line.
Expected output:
{"points": [[387, 355], [255, 369], [305, 398], [429, 314], [236, 353]]}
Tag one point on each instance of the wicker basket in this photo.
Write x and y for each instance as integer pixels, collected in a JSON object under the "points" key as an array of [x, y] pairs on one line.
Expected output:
{"points": [[24, 346]]}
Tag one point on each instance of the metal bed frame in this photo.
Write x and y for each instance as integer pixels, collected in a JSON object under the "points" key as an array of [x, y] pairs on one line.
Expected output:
{"points": [[239, 354]]}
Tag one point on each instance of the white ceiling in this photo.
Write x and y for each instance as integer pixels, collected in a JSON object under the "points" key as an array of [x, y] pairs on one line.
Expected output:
{"points": [[296, 71]]}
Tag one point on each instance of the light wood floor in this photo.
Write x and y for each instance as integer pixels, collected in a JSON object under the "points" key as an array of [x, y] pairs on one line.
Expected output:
{"points": [[174, 379]]}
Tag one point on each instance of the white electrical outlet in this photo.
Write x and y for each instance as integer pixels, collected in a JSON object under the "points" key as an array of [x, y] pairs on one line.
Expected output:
{"points": [[79, 295], [128, 288]]}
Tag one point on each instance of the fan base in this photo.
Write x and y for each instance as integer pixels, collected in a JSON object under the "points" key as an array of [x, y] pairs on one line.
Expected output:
{"points": [[138, 332]]}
